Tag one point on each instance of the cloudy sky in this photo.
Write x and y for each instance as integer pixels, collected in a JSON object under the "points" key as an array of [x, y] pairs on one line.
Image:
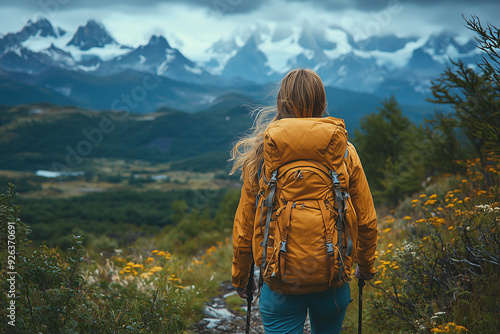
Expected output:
{"points": [[193, 25]]}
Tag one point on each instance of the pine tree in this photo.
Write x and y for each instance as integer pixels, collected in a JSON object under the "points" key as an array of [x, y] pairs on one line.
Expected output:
{"points": [[383, 142], [475, 96]]}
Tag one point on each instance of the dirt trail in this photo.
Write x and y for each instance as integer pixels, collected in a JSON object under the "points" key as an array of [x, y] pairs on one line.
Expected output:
{"points": [[219, 318]]}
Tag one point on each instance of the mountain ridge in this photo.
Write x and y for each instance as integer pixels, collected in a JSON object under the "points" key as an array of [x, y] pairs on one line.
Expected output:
{"points": [[260, 55]]}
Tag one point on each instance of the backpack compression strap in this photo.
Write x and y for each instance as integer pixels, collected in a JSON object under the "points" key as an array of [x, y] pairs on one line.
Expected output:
{"points": [[330, 247], [339, 198], [268, 203]]}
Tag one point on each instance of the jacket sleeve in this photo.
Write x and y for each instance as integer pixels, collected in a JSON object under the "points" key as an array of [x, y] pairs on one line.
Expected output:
{"points": [[243, 234], [362, 201]]}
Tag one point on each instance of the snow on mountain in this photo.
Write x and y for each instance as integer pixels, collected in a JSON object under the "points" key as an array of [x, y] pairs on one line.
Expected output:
{"points": [[261, 53], [343, 62], [32, 30], [249, 63], [156, 57], [443, 46]]}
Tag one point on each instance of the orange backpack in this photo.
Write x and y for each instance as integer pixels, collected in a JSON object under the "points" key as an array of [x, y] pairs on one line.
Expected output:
{"points": [[302, 203]]}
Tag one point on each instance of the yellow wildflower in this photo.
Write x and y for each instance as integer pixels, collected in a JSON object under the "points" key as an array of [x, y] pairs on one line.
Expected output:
{"points": [[211, 250], [422, 196], [416, 201], [155, 269], [149, 260], [155, 251], [433, 196], [387, 230], [461, 328], [377, 282], [421, 220], [450, 228], [390, 245], [407, 218]]}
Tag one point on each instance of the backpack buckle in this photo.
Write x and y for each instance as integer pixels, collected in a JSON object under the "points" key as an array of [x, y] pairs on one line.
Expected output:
{"points": [[335, 179], [283, 246], [329, 248], [273, 177]]}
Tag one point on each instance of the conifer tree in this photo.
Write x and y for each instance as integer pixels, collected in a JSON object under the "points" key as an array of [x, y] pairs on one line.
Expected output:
{"points": [[475, 96], [383, 141]]}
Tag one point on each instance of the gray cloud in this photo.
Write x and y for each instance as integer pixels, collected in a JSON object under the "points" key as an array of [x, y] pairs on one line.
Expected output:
{"points": [[233, 6], [220, 6], [370, 5]]}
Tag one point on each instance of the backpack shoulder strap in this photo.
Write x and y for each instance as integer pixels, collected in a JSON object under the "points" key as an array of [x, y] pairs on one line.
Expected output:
{"points": [[259, 171]]}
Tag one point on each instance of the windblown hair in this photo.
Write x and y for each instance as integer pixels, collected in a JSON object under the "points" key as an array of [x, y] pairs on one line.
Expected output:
{"points": [[301, 94]]}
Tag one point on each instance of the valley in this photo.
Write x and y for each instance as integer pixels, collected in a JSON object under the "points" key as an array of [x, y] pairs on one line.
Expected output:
{"points": [[115, 175]]}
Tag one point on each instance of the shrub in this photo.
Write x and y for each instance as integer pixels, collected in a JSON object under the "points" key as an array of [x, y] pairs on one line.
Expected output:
{"points": [[443, 276]]}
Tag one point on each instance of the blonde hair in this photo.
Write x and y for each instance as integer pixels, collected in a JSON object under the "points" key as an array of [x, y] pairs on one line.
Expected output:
{"points": [[301, 94]]}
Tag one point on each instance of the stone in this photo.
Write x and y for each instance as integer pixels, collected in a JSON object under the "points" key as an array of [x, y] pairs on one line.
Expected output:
{"points": [[221, 313]]}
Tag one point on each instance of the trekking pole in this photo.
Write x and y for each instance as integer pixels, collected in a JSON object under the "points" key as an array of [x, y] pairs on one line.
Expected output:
{"points": [[249, 298], [361, 284]]}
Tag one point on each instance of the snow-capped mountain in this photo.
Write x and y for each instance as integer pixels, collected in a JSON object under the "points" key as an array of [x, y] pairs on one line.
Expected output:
{"points": [[362, 65], [157, 57], [39, 47], [259, 54], [41, 28], [93, 34]]}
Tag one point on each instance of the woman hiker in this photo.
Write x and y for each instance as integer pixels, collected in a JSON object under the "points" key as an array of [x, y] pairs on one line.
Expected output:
{"points": [[302, 271]]}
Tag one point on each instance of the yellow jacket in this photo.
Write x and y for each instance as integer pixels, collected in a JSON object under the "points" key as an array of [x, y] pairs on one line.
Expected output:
{"points": [[247, 237]]}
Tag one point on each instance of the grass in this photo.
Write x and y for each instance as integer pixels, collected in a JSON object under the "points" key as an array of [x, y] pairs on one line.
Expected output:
{"points": [[236, 304], [437, 263]]}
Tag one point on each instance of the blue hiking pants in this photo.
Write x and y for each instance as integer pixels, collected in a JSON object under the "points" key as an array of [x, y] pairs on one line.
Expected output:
{"points": [[286, 314]]}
